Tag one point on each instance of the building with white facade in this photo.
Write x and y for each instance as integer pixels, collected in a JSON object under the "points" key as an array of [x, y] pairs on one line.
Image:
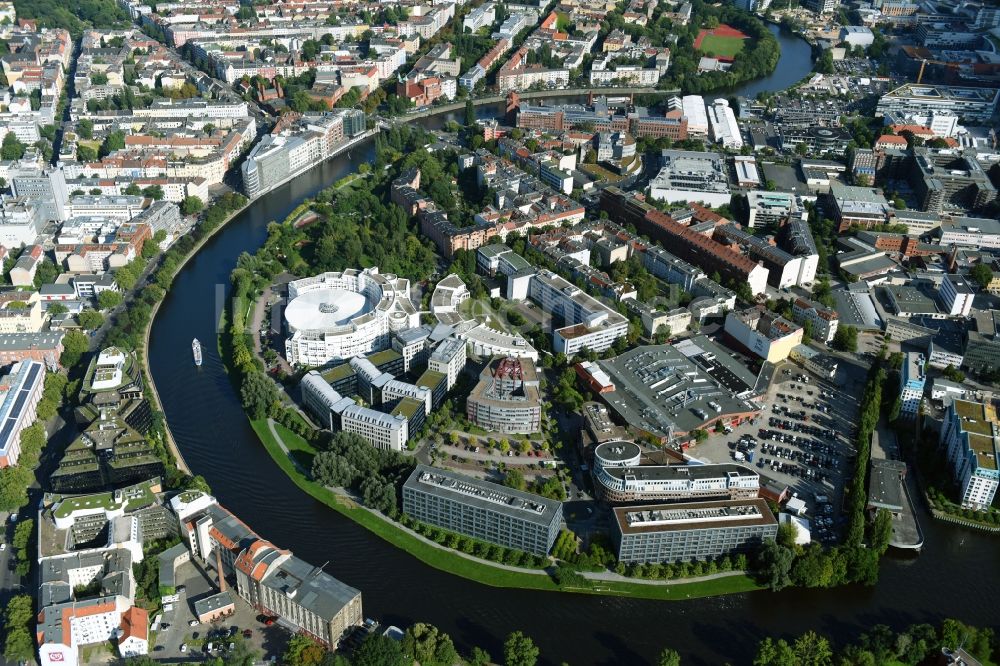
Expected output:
{"points": [[448, 359], [384, 431], [723, 125], [914, 378], [341, 315], [824, 320], [691, 176], [589, 323], [697, 117], [763, 333], [956, 295], [971, 232], [969, 436], [972, 104]]}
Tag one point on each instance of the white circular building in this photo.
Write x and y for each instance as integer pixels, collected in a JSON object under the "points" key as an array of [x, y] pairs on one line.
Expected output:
{"points": [[617, 453], [342, 315]]}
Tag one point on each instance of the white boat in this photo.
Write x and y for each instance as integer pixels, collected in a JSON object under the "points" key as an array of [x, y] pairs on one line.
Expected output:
{"points": [[196, 349]]}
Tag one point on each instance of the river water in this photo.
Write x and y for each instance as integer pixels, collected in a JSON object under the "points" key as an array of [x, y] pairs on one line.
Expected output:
{"points": [[955, 576]]}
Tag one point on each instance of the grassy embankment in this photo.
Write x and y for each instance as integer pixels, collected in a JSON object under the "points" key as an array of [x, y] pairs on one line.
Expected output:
{"points": [[300, 455]]}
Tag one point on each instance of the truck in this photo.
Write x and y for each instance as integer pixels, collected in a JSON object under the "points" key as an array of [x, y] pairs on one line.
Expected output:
{"points": [[750, 456]]}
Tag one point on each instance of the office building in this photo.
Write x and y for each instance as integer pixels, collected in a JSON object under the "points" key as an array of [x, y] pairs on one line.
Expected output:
{"points": [[632, 482], [969, 436], [770, 208], [448, 359], [956, 295], [482, 510], [864, 207], [506, 398], [691, 176], [976, 232], [20, 390], [697, 117], [913, 379], [950, 180], [694, 531], [275, 581], [45, 347], [341, 315], [823, 320], [974, 105]]}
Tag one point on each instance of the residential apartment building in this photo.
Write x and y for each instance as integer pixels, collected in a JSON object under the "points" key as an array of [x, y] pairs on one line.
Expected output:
{"points": [[763, 333], [694, 531], [482, 510], [970, 435], [697, 248], [823, 320], [589, 323]]}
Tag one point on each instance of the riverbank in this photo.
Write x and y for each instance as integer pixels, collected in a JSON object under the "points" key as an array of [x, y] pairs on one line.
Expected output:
{"points": [[459, 564]]}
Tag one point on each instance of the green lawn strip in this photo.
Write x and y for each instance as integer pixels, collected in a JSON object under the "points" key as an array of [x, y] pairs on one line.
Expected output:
{"points": [[453, 563]]}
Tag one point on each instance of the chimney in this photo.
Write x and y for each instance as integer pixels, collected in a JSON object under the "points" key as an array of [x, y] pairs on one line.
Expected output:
{"points": [[218, 567]]}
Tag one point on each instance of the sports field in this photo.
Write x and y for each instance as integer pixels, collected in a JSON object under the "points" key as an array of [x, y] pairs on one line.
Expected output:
{"points": [[724, 42]]}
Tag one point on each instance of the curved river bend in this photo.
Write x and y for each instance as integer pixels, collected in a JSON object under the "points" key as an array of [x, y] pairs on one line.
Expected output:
{"points": [[955, 576]]}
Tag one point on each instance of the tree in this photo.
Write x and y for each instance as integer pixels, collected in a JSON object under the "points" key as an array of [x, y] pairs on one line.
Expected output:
{"points": [[378, 650], [303, 651], [108, 299], [57, 309], [75, 345], [774, 653], [953, 374], [191, 205], [154, 192], [519, 650], [811, 649], [258, 394], [981, 275], [669, 658], [12, 148], [882, 531], [470, 113], [85, 129], [514, 478], [429, 646], [133, 190], [85, 153], [112, 142], [846, 339], [774, 564]]}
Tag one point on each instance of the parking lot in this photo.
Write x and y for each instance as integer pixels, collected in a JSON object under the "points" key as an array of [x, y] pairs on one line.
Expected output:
{"points": [[803, 439], [180, 641]]}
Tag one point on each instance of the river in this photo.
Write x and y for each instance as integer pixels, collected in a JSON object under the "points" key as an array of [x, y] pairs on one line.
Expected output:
{"points": [[955, 576]]}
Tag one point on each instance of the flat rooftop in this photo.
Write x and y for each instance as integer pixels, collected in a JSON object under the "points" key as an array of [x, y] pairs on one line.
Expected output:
{"points": [[666, 389], [693, 516], [484, 494]]}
